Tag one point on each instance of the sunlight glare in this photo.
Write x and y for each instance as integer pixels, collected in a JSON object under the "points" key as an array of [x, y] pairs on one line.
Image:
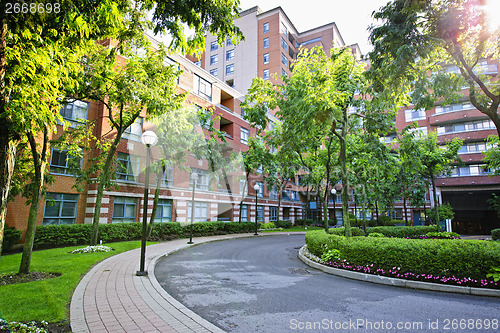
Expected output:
{"points": [[492, 10]]}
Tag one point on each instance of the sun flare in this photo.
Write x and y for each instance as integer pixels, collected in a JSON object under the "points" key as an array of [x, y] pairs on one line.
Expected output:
{"points": [[492, 10]]}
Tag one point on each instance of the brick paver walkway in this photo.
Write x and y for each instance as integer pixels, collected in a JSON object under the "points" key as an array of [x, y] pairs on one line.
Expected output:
{"points": [[111, 298]]}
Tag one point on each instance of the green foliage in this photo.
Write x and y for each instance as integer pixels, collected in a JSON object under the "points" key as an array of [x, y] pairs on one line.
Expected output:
{"points": [[341, 231], [304, 222], [461, 258], [445, 211], [375, 234], [284, 224], [495, 234], [114, 232], [331, 254], [11, 237], [268, 225], [494, 273], [47, 236], [443, 235], [494, 203], [403, 232], [239, 227]]}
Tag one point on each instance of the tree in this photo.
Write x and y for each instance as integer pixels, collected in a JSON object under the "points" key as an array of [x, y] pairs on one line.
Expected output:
{"points": [[316, 106], [429, 157], [37, 50], [419, 37]]}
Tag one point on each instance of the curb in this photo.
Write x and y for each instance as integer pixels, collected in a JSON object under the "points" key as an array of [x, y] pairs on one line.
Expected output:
{"points": [[398, 282]]}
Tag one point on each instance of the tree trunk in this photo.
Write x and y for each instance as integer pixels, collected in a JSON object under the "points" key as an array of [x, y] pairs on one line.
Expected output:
{"points": [[243, 195], [39, 163], [345, 180], [155, 204], [364, 210], [434, 194], [376, 210], [404, 207], [324, 202]]}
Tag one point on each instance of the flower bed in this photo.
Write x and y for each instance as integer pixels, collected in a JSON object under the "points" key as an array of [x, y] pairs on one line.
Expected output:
{"points": [[458, 262]]}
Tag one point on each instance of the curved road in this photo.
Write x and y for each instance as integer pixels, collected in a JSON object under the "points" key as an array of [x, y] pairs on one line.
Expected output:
{"points": [[259, 285]]}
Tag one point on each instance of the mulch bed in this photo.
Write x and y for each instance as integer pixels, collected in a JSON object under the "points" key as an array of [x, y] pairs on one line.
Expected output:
{"points": [[23, 278]]}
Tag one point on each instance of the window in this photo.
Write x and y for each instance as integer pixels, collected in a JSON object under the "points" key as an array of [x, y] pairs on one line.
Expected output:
{"points": [[168, 177], [283, 72], [214, 46], [214, 59], [283, 29], [420, 131], [245, 134], [266, 27], [60, 208], [265, 75], [203, 179], [284, 44], [314, 40], [229, 42], [124, 209], [266, 42], [243, 187], [273, 194], [474, 147], [230, 69], [200, 211], [134, 131], [61, 163], [465, 127], [266, 58], [75, 112], [260, 213], [414, 115], [273, 213], [164, 211], [454, 107], [284, 60], [202, 87], [260, 192], [198, 63], [244, 213], [230, 54], [127, 167], [214, 72]]}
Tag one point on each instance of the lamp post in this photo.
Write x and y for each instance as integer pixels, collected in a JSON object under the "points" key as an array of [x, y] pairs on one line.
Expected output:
{"points": [[148, 138], [334, 191], [194, 178], [256, 187]]}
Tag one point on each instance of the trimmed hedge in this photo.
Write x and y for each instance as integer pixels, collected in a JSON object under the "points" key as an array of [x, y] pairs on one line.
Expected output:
{"points": [[403, 232], [283, 224], [47, 236], [495, 234], [11, 237], [444, 257], [341, 231]]}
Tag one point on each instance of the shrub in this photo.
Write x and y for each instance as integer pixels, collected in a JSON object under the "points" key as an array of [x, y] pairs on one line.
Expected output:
{"points": [[11, 237], [300, 221], [375, 234], [238, 228], [445, 212], [284, 224], [165, 231], [47, 236], [495, 234], [115, 232], [402, 232], [268, 225], [443, 257], [443, 235], [341, 231]]}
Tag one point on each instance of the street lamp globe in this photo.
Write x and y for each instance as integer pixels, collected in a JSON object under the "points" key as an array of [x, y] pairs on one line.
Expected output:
{"points": [[333, 191], [149, 138], [256, 187], [194, 176]]}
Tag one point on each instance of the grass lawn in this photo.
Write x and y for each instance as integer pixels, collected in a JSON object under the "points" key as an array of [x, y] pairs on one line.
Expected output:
{"points": [[295, 228], [49, 299]]}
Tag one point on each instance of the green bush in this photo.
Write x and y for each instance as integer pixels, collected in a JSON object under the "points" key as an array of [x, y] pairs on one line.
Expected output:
{"points": [[284, 224], [341, 231], [443, 257], [443, 235], [375, 234], [47, 236], [268, 225], [239, 228], [495, 234], [115, 232], [402, 232], [165, 231], [11, 237]]}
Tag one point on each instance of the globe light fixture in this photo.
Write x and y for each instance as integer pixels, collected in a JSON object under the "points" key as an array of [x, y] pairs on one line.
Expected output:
{"points": [[194, 178], [256, 187]]}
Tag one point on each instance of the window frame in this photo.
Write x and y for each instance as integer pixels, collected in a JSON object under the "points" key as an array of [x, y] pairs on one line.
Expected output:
{"points": [[266, 43], [164, 203], [230, 54], [265, 74], [244, 135], [214, 46], [66, 168], [127, 201], [214, 59], [265, 27], [273, 213], [62, 200], [73, 120], [200, 82], [199, 208], [229, 69], [132, 161], [266, 58], [134, 131]]}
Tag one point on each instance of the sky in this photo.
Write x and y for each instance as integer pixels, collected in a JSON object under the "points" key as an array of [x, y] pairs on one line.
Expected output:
{"points": [[352, 17]]}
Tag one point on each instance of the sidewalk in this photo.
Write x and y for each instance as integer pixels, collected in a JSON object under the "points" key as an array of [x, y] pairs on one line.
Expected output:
{"points": [[111, 298]]}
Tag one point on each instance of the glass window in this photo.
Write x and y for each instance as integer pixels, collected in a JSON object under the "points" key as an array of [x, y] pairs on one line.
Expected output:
{"points": [[266, 42], [283, 72], [284, 59], [283, 29], [266, 27], [168, 177], [230, 69], [75, 112], [260, 193], [243, 187], [164, 211], [229, 42], [200, 211], [134, 131], [127, 167], [62, 163], [244, 136], [214, 72], [203, 179], [265, 75], [214, 46], [284, 44], [273, 194], [273, 213], [230, 54], [124, 209], [260, 213], [214, 59], [266, 58], [202, 87], [244, 213], [60, 208]]}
